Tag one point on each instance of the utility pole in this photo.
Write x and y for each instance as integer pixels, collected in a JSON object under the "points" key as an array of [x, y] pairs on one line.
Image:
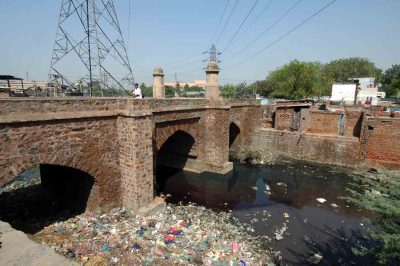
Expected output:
{"points": [[89, 46]]}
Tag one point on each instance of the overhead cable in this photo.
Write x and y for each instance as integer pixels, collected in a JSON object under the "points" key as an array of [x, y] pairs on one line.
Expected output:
{"points": [[219, 23], [226, 23], [240, 27], [284, 35], [268, 29]]}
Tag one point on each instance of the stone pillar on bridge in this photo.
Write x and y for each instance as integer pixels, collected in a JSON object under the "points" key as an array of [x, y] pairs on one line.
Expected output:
{"points": [[212, 82], [158, 83]]}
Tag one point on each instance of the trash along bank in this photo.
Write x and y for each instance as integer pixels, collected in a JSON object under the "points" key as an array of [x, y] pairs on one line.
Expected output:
{"points": [[181, 235]]}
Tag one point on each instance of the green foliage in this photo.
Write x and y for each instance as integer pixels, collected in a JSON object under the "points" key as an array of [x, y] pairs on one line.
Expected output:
{"points": [[194, 91], [228, 90], [186, 87], [390, 74], [380, 193], [247, 155], [342, 69], [170, 91], [354, 67], [146, 91], [296, 80], [260, 87], [195, 88], [391, 81], [243, 91], [99, 91]]}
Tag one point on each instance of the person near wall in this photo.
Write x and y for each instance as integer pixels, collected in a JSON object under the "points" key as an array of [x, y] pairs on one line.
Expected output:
{"points": [[137, 93], [342, 123]]}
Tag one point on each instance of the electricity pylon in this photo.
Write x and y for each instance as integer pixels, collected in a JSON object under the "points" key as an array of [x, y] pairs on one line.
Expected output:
{"points": [[89, 55]]}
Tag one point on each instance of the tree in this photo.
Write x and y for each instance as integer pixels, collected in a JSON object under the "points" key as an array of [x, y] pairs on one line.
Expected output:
{"points": [[341, 70], [146, 91], [169, 91], [296, 80], [228, 91], [186, 87], [260, 87], [391, 80]]}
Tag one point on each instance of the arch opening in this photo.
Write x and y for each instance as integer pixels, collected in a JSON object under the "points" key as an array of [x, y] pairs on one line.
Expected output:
{"points": [[234, 133], [172, 158], [44, 195]]}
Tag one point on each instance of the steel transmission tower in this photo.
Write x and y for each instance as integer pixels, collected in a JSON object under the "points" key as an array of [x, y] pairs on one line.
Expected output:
{"points": [[89, 55], [213, 54]]}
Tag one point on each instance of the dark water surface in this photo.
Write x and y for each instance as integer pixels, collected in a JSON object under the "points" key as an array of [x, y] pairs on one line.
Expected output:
{"points": [[289, 210]]}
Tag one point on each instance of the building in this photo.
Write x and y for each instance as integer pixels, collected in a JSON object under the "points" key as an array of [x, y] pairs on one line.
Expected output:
{"points": [[361, 91], [292, 116], [182, 84]]}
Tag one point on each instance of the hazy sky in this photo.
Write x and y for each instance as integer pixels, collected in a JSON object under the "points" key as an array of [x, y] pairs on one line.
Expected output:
{"points": [[174, 33]]}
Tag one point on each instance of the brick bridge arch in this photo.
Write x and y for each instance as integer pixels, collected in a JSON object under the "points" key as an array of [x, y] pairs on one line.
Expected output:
{"points": [[115, 140], [164, 130], [73, 144]]}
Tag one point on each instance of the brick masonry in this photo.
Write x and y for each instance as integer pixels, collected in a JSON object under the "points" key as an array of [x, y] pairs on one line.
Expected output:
{"points": [[323, 149], [115, 140], [380, 141]]}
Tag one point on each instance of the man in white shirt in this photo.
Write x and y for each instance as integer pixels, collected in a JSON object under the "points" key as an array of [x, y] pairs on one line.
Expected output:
{"points": [[137, 93]]}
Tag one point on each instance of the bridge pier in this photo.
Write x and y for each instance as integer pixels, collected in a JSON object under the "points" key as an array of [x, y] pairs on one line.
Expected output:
{"points": [[115, 140]]}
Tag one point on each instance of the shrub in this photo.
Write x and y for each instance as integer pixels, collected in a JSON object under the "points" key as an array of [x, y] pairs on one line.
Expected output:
{"points": [[380, 193]]}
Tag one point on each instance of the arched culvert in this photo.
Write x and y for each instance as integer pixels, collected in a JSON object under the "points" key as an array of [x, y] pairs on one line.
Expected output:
{"points": [[172, 157], [44, 195]]}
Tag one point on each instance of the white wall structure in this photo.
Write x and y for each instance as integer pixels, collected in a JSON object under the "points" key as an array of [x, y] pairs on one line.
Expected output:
{"points": [[368, 95], [343, 93]]}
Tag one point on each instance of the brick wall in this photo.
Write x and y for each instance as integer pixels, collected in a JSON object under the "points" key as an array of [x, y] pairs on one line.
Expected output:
{"points": [[380, 141], [324, 149], [114, 139], [86, 144], [323, 122], [136, 160], [326, 123], [283, 118]]}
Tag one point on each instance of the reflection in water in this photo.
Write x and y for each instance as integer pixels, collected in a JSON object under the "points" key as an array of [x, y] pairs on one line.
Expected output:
{"points": [[271, 198]]}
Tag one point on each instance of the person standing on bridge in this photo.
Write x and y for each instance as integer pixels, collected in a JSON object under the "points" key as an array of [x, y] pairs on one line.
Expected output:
{"points": [[137, 93]]}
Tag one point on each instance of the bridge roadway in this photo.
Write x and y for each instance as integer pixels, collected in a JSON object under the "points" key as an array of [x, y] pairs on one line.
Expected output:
{"points": [[120, 141]]}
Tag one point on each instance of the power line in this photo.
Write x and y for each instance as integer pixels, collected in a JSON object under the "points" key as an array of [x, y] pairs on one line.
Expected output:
{"points": [[254, 21], [241, 25], [268, 29], [284, 35], [226, 24], [219, 23]]}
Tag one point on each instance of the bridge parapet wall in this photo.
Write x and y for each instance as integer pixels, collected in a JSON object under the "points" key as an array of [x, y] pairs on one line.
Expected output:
{"points": [[112, 139]]}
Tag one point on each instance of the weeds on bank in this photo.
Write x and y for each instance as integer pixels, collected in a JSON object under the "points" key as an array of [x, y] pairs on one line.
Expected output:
{"points": [[379, 192]]}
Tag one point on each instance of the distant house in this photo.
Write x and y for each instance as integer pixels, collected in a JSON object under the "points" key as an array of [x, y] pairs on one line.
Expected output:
{"points": [[362, 90]]}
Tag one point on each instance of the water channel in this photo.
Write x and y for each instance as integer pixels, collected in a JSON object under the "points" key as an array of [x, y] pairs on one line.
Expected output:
{"points": [[280, 202]]}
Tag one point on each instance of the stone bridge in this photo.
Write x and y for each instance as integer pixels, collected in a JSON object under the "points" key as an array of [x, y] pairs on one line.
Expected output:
{"points": [[118, 142]]}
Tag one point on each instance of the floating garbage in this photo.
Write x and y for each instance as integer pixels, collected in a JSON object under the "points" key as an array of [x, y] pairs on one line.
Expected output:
{"points": [[321, 200], [286, 215], [334, 205], [281, 184], [315, 259]]}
